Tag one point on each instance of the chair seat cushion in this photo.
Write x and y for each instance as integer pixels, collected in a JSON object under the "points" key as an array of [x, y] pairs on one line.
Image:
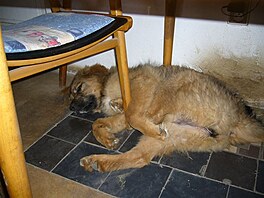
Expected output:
{"points": [[54, 33]]}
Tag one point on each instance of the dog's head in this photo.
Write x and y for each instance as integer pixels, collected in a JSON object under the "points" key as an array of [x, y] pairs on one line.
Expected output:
{"points": [[87, 87]]}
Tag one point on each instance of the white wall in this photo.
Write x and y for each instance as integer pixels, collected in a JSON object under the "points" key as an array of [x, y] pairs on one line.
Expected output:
{"points": [[144, 43], [197, 41]]}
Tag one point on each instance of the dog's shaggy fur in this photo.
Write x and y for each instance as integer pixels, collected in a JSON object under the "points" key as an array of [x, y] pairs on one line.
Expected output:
{"points": [[177, 109]]}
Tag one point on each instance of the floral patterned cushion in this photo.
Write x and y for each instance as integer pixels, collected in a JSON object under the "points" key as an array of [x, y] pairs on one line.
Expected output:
{"points": [[51, 30]]}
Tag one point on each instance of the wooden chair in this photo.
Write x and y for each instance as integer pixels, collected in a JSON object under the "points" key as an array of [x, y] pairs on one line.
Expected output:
{"points": [[14, 66]]}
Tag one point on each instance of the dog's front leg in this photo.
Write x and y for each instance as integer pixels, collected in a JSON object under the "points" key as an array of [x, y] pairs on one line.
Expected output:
{"points": [[137, 157], [104, 129]]}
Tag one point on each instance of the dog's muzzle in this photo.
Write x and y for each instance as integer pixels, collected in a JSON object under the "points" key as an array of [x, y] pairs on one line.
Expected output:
{"points": [[84, 104]]}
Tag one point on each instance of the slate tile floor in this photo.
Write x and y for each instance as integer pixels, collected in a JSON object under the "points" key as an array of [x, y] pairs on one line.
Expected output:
{"points": [[222, 174]]}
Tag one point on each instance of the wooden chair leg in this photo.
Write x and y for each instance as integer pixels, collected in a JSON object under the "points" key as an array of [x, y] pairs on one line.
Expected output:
{"points": [[169, 25], [12, 160], [62, 76], [122, 66]]}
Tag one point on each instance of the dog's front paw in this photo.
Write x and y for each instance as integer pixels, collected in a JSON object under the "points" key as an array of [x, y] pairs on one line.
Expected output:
{"points": [[99, 163], [88, 163]]}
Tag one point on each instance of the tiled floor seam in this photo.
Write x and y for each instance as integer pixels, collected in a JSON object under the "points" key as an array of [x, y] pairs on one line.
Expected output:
{"points": [[164, 187], [85, 119], [125, 140], [103, 182], [206, 166], [196, 175], [241, 188], [256, 176], [69, 151], [227, 192], [96, 145], [51, 136], [242, 155]]}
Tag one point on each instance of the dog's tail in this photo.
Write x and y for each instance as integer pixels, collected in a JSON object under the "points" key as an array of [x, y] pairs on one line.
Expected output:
{"points": [[248, 130]]}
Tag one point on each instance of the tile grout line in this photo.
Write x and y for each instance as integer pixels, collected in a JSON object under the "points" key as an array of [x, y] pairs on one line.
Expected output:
{"points": [[241, 155], [98, 146], [133, 130], [214, 180], [206, 166], [81, 118], [167, 181], [98, 188], [69, 152], [197, 175], [51, 136], [248, 190], [81, 141], [227, 192], [256, 176]]}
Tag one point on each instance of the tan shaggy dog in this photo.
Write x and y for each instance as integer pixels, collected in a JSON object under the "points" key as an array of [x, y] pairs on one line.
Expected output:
{"points": [[177, 109]]}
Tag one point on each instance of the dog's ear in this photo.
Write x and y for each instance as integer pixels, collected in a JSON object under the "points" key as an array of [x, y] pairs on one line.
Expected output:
{"points": [[96, 69]]}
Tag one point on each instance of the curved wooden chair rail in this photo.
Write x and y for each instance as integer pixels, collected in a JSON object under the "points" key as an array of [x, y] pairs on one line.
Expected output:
{"points": [[12, 161]]}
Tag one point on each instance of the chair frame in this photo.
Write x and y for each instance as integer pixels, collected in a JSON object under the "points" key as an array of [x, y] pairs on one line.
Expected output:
{"points": [[30, 67], [12, 160]]}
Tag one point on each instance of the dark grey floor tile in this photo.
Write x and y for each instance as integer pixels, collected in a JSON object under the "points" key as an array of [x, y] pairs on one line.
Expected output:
{"points": [[260, 177], [191, 162], [71, 129], [122, 136], [183, 185], [239, 170], [47, 152], [89, 116], [71, 169], [144, 182], [252, 151], [131, 142], [240, 193]]}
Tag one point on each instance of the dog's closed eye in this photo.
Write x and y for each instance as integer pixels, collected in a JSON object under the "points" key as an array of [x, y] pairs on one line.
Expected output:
{"points": [[78, 88]]}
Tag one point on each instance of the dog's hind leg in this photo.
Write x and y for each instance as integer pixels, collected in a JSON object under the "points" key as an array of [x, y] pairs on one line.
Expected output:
{"points": [[104, 129], [137, 157]]}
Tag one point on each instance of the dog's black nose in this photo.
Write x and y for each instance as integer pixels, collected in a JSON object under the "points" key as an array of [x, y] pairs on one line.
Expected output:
{"points": [[73, 107], [87, 104], [77, 105]]}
